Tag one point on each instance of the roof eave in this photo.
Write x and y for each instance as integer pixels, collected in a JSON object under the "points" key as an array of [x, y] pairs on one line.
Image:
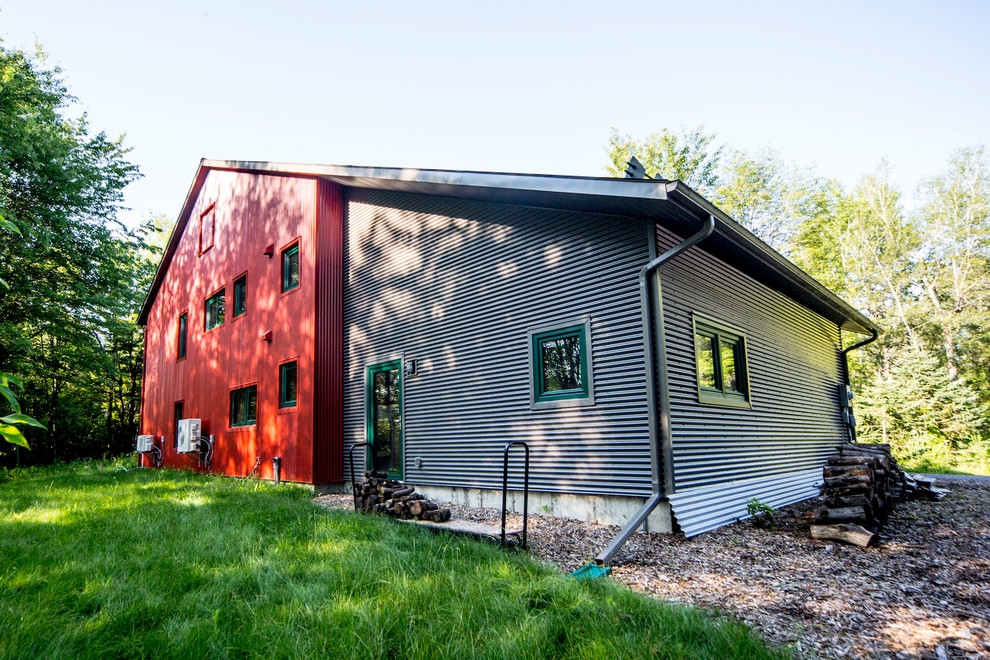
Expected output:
{"points": [[645, 197], [845, 315]]}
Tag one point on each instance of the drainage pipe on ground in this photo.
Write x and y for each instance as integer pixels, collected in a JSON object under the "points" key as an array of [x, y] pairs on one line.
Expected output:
{"points": [[656, 375]]}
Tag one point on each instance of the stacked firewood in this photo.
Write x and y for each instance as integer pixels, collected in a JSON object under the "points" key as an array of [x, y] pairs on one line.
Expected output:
{"points": [[862, 483], [380, 494]]}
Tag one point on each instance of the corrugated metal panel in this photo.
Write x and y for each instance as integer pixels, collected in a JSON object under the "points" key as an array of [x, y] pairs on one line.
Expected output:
{"points": [[456, 284], [706, 508], [252, 211], [329, 344], [794, 372]]}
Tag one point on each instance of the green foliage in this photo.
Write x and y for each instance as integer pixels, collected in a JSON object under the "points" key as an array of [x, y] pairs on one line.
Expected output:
{"points": [[689, 156], [73, 276], [9, 423], [762, 513], [103, 563]]}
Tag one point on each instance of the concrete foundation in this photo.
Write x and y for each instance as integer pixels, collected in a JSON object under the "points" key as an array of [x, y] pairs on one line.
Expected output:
{"points": [[332, 488], [602, 509]]}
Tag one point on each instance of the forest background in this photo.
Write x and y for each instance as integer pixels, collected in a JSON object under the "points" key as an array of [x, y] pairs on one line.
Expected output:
{"points": [[72, 276]]}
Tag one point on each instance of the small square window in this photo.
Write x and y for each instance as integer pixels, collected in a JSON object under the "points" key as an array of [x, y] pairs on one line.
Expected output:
{"points": [[207, 222], [561, 367], [244, 406], [290, 267], [287, 385], [180, 349], [214, 309], [240, 295], [720, 357]]}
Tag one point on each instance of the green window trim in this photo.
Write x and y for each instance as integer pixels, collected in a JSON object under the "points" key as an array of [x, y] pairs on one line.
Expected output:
{"points": [[722, 367], [182, 344], [240, 296], [213, 311], [290, 267], [244, 406], [398, 471], [287, 384], [207, 228], [560, 366]]}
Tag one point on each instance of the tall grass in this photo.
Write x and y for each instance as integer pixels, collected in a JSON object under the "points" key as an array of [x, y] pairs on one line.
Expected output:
{"points": [[100, 562]]}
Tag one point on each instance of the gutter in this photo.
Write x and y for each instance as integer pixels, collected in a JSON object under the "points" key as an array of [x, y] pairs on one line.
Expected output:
{"points": [[661, 442]]}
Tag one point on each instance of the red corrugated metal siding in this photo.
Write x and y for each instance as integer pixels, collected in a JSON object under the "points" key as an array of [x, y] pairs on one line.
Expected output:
{"points": [[252, 212], [329, 401]]}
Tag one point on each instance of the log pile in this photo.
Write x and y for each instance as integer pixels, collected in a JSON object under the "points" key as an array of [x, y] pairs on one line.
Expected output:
{"points": [[861, 485], [380, 494]]}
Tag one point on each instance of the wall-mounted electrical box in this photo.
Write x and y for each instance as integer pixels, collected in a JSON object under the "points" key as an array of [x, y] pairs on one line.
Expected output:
{"points": [[188, 435], [145, 443]]}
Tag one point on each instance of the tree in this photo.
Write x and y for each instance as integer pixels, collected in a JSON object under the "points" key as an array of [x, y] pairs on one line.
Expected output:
{"points": [[955, 220], [690, 156], [771, 198], [70, 271]]}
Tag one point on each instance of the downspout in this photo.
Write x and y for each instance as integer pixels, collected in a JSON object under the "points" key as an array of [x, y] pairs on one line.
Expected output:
{"points": [[661, 458], [845, 374]]}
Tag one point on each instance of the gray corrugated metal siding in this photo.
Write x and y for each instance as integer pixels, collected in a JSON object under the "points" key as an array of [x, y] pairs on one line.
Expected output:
{"points": [[794, 370], [709, 507], [476, 276]]}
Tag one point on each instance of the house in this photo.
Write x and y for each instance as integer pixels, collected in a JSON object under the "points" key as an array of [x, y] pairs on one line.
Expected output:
{"points": [[302, 310]]}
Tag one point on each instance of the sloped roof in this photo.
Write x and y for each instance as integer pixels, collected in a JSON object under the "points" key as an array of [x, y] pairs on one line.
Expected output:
{"points": [[681, 209]]}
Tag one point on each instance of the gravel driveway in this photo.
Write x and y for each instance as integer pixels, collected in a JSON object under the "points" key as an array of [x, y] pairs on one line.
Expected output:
{"points": [[925, 585]]}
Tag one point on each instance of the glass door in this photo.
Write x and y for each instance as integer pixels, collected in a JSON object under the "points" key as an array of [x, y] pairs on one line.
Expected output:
{"points": [[384, 417]]}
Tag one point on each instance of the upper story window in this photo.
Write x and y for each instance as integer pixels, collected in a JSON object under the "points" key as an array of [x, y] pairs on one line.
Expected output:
{"points": [[240, 295], [720, 355], [561, 366], [207, 226], [180, 349], [290, 267], [214, 309]]}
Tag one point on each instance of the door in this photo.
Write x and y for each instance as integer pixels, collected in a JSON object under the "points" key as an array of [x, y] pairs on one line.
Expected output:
{"points": [[384, 417]]}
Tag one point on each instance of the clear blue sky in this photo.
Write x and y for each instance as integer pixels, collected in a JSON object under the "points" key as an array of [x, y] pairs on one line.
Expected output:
{"points": [[524, 87]]}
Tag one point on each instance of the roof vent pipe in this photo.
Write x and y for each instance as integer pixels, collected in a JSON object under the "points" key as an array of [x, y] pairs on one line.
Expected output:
{"points": [[661, 460]]}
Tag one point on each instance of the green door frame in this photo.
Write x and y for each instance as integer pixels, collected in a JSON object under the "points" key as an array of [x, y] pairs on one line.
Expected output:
{"points": [[370, 414]]}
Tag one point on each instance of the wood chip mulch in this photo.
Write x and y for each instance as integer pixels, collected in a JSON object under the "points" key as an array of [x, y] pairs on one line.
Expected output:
{"points": [[922, 592]]}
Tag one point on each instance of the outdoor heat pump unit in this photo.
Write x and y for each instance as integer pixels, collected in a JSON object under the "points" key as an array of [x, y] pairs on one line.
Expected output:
{"points": [[188, 435], [145, 443]]}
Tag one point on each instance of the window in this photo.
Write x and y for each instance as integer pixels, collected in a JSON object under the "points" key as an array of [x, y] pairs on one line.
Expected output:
{"points": [[721, 360], [214, 311], [290, 267], [206, 229], [240, 295], [180, 349], [561, 366], [244, 406], [287, 385]]}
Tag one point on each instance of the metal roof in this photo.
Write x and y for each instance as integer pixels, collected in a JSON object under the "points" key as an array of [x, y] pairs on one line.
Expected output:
{"points": [[680, 208]]}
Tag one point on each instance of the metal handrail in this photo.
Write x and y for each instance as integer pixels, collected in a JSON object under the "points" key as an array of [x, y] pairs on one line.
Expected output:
{"points": [[353, 481], [505, 487]]}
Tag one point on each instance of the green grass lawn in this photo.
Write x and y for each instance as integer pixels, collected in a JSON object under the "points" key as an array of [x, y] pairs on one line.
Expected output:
{"points": [[99, 562]]}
